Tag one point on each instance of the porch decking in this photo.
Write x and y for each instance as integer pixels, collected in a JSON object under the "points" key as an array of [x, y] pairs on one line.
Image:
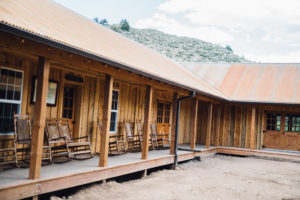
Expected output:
{"points": [[15, 184]]}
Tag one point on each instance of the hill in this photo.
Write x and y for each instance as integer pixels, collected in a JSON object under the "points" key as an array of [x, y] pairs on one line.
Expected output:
{"points": [[181, 49]]}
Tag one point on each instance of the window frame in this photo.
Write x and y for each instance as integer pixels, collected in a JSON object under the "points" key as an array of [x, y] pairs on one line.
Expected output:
{"points": [[13, 101], [115, 111], [291, 124], [273, 125]]}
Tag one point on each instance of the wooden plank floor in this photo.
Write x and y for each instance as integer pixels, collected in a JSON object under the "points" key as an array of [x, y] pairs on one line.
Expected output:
{"points": [[14, 184]]}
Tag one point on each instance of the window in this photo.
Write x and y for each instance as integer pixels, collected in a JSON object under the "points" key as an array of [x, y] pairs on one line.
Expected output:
{"points": [[292, 123], [273, 122], [11, 82], [163, 113], [114, 111]]}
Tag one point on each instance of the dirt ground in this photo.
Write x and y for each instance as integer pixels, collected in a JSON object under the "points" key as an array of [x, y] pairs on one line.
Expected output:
{"points": [[220, 177]]}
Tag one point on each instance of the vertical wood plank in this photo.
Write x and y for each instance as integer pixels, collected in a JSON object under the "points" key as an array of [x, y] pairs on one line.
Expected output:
{"points": [[232, 123], [61, 94], [252, 135], [209, 119], [39, 118], [147, 121], [218, 123], [173, 126], [262, 127], [194, 122], [25, 90], [106, 120], [248, 127], [95, 116]]}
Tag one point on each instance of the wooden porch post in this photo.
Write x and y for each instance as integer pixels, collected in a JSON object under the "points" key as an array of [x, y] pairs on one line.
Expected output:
{"points": [[194, 123], [174, 110], [218, 125], [147, 121], [252, 132], [106, 121], [209, 119], [39, 118]]}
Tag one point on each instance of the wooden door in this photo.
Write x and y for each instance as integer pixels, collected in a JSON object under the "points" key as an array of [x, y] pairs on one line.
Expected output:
{"points": [[163, 118], [291, 136], [282, 131], [273, 131], [69, 105]]}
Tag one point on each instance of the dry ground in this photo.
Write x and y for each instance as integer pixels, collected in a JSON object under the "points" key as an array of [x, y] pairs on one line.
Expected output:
{"points": [[219, 177]]}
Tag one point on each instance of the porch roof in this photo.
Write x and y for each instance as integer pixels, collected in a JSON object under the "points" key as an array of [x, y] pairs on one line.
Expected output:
{"points": [[55, 25], [253, 82]]}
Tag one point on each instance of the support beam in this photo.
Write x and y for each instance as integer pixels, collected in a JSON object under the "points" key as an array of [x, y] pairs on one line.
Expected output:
{"points": [[252, 132], [218, 122], [106, 121], [194, 122], [209, 119], [173, 125], [147, 121], [39, 118]]}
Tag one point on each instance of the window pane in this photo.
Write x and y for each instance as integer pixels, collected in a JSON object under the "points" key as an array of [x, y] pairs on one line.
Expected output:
{"points": [[10, 92], [17, 93], [113, 118], [273, 122], [115, 99], [2, 91], [10, 89], [3, 76], [6, 117], [11, 77], [18, 79]]}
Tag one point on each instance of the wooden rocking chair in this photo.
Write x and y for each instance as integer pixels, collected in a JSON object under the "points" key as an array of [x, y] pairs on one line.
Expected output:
{"points": [[116, 145], [133, 141], [140, 133], [79, 148], [58, 144], [22, 127], [8, 153], [159, 140]]}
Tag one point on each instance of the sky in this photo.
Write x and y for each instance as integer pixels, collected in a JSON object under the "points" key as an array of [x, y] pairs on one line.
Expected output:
{"points": [[259, 30]]}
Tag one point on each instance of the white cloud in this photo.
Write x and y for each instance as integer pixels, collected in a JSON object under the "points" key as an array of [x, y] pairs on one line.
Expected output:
{"points": [[171, 26], [292, 57], [236, 13], [261, 30]]}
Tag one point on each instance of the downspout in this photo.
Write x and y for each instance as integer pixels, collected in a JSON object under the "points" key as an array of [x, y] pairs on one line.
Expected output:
{"points": [[192, 94]]}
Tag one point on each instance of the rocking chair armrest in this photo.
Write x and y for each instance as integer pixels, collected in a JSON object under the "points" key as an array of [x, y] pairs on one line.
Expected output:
{"points": [[134, 137], [23, 140], [116, 136], [59, 138], [81, 138]]}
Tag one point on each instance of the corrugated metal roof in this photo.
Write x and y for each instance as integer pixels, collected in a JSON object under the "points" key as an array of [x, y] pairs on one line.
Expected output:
{"points": [[252, 82], [52, 21]]}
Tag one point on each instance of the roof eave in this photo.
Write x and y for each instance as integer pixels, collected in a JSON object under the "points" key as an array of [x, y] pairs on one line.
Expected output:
{"points": [[37, 38]]}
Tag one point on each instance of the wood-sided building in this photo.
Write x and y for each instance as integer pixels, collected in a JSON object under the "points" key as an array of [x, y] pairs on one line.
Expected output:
{"points": [[270, 92], [55, 63], [52, 67]]}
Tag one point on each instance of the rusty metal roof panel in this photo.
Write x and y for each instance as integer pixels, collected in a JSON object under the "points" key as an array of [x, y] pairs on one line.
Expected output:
{"points": [[47, 19], [253, 82]]}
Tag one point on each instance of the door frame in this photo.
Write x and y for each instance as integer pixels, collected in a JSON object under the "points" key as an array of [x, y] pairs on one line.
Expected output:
{"points": [[282, 134]]}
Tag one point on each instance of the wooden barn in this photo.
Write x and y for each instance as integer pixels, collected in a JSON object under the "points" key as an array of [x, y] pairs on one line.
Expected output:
{"points": [[60, 70]]}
